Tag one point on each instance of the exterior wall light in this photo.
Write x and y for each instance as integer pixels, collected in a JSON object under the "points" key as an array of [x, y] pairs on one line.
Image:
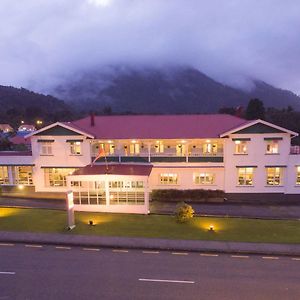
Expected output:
{"points": [[20, 186], [91, 223], [211, 228]]}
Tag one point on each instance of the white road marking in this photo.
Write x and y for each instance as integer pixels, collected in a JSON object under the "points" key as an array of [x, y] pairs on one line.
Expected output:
{"points": [[91, 249], [239, 256], [63, 248], [166, 280], [34, 246], [179, 253], [120, 251], [295, 258], [7, 273], [270, 257], [209, 254], [151, 252], [8, 245]]}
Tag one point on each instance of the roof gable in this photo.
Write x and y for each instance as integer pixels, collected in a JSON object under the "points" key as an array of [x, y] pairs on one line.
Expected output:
{"points": [[259, 128], [58, 131]]}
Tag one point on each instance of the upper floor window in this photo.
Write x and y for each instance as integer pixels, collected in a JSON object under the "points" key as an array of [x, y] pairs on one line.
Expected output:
{"points": [[46, 148], [4, 179], [210, 148], [274, 176], [180, 149], [159, 147], [134, 148], [245, 176], [240, 147], [204, 178], [75, 148], [272, 147], [168, 178], [298, 176]]}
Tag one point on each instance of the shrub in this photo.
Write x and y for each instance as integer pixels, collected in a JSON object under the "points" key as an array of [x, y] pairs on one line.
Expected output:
{"points": [[184, 212]]}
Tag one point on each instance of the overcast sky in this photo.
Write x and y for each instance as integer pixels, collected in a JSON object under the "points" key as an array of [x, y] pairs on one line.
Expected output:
{"points": [[44, 41]]}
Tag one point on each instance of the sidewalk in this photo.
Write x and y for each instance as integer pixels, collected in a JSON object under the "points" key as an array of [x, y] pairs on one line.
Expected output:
{"points": [[289, 212], [69, 239]]}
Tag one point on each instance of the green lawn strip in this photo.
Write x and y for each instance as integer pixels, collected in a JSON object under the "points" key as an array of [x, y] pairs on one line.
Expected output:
{"points": [[152, 226]]}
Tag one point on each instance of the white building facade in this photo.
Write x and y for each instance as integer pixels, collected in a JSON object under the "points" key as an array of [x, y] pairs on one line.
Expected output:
{"points": [[111, 163]]}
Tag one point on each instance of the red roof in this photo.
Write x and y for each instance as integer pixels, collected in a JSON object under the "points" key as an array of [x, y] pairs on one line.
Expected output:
{"points": [[116, 169], [17, 139], [158, 126]]}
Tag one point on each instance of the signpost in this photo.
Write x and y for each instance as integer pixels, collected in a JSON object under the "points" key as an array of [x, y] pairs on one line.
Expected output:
{"points": [[70, 210]]}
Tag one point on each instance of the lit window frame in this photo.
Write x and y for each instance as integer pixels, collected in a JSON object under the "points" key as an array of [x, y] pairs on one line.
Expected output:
{"points": [[272, 147], [274, 176], [241, 147], [168, 179], [298, 176], [76, 148], [204, 178], [245, 178]]}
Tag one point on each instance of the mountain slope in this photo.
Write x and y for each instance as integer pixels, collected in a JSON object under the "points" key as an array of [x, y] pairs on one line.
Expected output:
{"points": [[173, 91]]}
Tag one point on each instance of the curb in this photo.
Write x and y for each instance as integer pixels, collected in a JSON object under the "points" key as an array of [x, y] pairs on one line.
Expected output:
{"points": [[150, 243]]}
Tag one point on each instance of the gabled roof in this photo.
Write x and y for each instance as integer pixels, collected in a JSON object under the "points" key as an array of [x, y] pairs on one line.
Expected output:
{"points": [[67, 126], [244, 128], [116, 169], [158, 126]]}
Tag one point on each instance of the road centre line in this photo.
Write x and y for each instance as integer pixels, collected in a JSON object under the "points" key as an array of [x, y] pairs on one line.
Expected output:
{"points": [[91, 249], [6, 244], [239, 256], [7, 273], [270, 257], [63, 248], [34, 246], [179, 253], [165, 280], [151, 252], [120, 251], [209, 254]]}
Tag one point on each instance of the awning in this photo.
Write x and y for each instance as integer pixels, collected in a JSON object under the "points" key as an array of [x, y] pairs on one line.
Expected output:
{"points": [[116, 169]]}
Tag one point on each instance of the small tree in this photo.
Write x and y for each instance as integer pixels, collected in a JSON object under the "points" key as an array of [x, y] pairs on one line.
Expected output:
{"points": [[184, 212], [255, 110]]}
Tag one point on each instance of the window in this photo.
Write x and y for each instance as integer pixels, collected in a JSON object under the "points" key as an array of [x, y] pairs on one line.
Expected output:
{"points": [[180, 150], [240, 147], [272, 147], [204, 178], [298, 176], [245, 176], [168, 178], [56, 177], [159, 147], [116, 184], [134, 148], [274, 176], [75, 148], [210, 148], [4, 179], [22, 175], [137, 184], [46, 148]]}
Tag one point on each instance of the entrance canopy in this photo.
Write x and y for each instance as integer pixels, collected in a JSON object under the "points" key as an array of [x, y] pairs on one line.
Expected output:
{"points": [[115, 169]]}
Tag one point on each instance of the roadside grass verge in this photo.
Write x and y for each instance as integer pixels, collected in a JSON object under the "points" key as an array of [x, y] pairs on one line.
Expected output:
{"points": [[152, 226]]}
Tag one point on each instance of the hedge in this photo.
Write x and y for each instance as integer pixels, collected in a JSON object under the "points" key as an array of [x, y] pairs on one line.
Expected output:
{"points": [[193, 195]]}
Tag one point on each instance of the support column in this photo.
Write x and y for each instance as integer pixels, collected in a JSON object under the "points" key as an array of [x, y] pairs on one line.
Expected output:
{"points": [[107, 191], [149, 152]]}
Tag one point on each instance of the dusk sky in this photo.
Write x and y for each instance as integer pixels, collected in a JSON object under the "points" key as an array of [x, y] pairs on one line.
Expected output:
{"points": [[43, 42]]}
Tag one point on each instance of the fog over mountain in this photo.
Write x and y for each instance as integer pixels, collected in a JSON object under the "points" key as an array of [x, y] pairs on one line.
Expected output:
{"points": [[46, 44]]}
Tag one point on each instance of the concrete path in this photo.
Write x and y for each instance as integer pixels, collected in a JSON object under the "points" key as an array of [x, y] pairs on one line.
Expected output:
{"points": [[69, 239]]}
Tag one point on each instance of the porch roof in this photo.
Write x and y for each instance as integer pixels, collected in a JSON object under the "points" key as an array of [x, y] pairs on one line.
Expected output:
{"points": [[115, 169]]}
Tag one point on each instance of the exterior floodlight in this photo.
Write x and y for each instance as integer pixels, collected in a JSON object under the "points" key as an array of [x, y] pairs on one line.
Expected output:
{"points": [[91, 223], [211, 228]]}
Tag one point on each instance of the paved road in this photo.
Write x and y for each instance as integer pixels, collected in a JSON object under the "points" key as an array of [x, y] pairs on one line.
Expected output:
{"points": [[49, 272]]}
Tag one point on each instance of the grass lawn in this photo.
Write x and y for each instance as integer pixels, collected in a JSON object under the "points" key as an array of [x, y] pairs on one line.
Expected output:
{"points": [[154, 226]]}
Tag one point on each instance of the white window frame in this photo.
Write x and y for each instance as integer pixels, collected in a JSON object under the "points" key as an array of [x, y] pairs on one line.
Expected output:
{"points": [[46, 148], [76, 148], [248, 171], [241, 147], [203, 178], [298, 175], [278, 173], [273, 144], [168, 179]]}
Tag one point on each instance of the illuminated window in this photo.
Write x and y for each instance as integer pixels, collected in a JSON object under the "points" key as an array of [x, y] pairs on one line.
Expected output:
{"points": [[298, 176], [168, 178], [245, 176], [57, 177], [180, 150], [210, 148], [116, 184], [274, 176], [240, 147], [22, 175], [272, 147], [46, 148], [134, 148], [204, 178], [159, 147], [137, 184], [4, 179], [75, 148]]}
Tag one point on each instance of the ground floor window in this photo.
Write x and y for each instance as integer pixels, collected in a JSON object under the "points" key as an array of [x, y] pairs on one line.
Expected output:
{"points": [[22, 175], [204, 178], [4, 179], [56, 177], [298, 176], [274, 176], [89, 192], [245, 176], [168, 178]]}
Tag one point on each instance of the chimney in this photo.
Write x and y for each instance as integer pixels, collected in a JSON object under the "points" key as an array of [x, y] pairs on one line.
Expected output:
{"points": [[92, 119]]}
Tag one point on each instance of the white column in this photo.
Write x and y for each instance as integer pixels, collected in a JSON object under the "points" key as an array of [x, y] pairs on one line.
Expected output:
{"points": [[107, 190], [149, 152]]}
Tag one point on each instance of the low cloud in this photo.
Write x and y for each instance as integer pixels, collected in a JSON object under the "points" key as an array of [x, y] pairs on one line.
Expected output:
{"points": [[43, 42]]}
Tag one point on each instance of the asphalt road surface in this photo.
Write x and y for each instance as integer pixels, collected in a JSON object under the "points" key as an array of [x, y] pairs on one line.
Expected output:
{"points": [[54, 272]]}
